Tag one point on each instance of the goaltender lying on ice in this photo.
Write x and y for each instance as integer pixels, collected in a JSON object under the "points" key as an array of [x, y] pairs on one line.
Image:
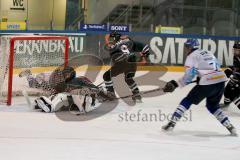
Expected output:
{"points": [[64, 90]]}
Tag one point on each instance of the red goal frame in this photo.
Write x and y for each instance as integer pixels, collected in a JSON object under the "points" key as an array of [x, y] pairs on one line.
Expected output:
{"points": [[11, 56]]}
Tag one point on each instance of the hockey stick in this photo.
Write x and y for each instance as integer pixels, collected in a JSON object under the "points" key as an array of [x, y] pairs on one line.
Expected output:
{"points": [[141, 93], [100, 84], [151, 91]]}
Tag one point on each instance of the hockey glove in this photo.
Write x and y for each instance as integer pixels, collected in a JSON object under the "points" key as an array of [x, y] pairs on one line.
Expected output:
{"points": [[234, 81], [145, 52], [228, 72], [170, 86]]}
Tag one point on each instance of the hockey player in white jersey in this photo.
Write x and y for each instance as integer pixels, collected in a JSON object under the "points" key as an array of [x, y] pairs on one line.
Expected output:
{"points": [[210, 85]]}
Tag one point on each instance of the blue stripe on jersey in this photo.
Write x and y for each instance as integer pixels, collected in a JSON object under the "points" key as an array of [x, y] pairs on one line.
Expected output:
{"points": [[189, 75]]}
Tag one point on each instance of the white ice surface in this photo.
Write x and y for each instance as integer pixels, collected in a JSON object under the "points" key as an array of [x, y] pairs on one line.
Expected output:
{"points": [[26, 135]]}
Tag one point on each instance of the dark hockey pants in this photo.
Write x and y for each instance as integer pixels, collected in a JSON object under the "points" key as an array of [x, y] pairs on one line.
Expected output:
{"points": [[125, 67]]}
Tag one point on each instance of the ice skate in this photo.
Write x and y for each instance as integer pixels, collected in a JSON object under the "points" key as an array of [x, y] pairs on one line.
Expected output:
{"points": [[25, 73], [169, 126], [232, 130], [111, 95], [137, 98]]}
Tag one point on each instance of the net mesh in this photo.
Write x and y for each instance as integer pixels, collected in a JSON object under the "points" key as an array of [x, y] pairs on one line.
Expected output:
{"points": [[40, 54]]}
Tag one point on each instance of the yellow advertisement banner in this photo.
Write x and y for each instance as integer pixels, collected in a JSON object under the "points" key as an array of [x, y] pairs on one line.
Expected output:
{"points": [[168, 30], [13, 26]]}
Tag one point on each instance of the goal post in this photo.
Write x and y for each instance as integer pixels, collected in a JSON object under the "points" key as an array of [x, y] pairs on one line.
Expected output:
{"points": [[37, 49]]}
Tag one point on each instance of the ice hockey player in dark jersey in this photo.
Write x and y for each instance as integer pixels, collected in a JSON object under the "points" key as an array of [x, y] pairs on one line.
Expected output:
{"points": [[124, 54], [232, 89], [203, 64]]}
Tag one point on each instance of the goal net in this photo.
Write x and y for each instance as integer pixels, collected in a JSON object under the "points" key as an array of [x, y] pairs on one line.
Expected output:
{"points": [[39, 54]]}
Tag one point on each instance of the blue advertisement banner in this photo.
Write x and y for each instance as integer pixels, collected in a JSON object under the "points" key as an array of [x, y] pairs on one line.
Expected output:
{"points": [[93, 27], [104, 27]]}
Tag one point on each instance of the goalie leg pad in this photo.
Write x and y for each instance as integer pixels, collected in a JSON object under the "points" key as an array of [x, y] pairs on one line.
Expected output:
{"points": [[44, 103], [78, 100], [53, 103], [237, 102], [84, 103], [59, 101]]}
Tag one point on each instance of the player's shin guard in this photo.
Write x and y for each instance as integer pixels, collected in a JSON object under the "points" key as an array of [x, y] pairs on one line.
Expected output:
{"points": [[108, 81], [110, 90], [177, 115], [179, 112], [223, 119], [134, 88], [109, 86]]}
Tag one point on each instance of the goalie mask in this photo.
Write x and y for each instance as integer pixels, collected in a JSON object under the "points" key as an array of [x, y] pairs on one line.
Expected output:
{"points": [[69, 73]]}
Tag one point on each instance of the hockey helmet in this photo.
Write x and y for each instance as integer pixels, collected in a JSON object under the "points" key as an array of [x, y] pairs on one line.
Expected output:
{"points": [[192, 43], [115, 35]]}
